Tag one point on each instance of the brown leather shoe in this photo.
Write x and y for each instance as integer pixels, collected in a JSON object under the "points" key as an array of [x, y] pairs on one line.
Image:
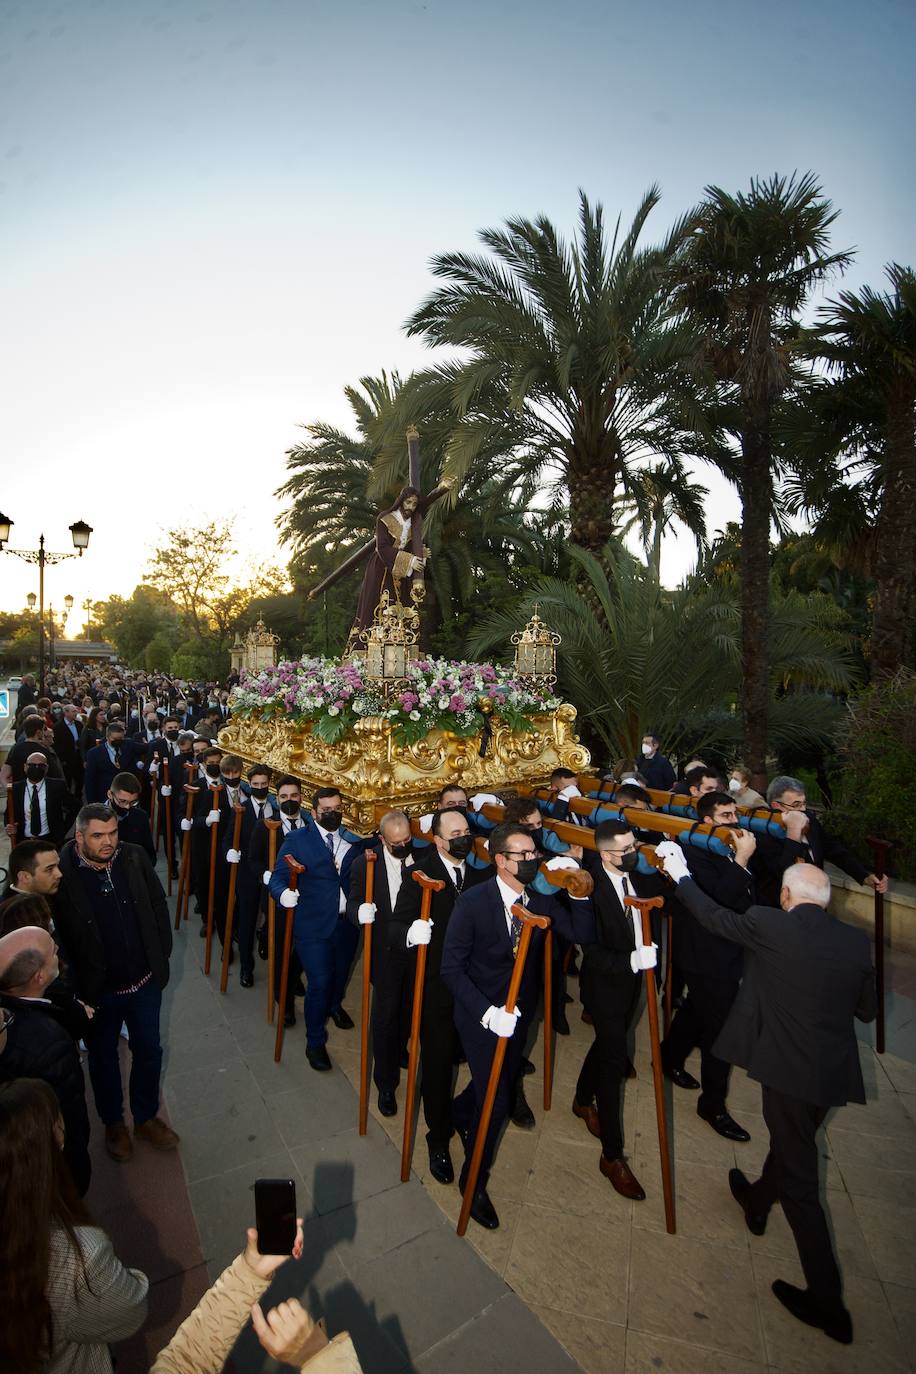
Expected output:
{"points": [[156, 1133], [589, 1115], [118, 1142], [621, 1177]]}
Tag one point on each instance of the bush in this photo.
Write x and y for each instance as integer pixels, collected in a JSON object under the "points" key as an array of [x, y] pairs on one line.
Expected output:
{"points": [[877, 792]]}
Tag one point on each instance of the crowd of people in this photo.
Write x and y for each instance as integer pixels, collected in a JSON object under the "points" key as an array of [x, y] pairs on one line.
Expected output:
{"points": [[761, 975]]}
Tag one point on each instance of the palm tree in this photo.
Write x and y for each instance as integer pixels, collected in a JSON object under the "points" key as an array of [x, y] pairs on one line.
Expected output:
{"points": [[752, 261], [659, 496], [578, 358], [863, 416]]}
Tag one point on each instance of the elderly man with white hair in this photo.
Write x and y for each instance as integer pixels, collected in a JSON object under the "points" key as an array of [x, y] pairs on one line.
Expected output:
{"points": [[807, 976]]}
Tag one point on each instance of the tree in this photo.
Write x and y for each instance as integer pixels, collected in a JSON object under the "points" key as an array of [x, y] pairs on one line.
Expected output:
{"points": [[751, 262], [579, 358], [132, 623]]}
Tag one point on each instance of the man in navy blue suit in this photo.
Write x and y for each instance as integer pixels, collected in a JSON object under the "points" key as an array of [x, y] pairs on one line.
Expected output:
{"points": [[104, 762], [324, 938], [250, 888], [477, 963]]}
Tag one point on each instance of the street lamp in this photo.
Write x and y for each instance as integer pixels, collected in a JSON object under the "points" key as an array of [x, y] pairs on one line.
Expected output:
{"points": [[31, 599], [79, 532]]}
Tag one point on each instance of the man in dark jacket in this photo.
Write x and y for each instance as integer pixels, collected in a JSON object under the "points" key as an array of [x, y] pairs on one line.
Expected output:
{"points": [[807, 977], [42, 1038], [112, 919], [42, 806], [133, 822], [655, 768], [66, 746]]}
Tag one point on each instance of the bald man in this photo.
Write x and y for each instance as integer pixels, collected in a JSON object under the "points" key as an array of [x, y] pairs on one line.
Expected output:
{"points": [[40, 1042], [807, 977], [42, 806]]}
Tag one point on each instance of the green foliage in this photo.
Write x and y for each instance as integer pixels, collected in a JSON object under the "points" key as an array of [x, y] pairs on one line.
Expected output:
{"points": [[134, 622], [877, 795]]}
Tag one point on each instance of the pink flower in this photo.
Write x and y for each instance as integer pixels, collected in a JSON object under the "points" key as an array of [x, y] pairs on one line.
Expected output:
{"points": [[456, 703]]}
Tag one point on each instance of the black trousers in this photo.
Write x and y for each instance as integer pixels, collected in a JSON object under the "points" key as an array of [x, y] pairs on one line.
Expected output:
{"points": [[697, 1023], [439, 1046], [604, 1070], [479, 1047], [790, 1176], [392, 1000], [249, 896]]}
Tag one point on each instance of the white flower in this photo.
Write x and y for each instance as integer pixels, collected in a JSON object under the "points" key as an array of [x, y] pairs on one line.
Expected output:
{"points": [[415, 715], [442, 703], [333, 710]]}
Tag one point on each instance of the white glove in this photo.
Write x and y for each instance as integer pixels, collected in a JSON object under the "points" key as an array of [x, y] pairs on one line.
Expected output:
{"points": [[643, 957], [165, 791], [500, 1021], [569, 792], [212, 818], [154, 767], [561, 862], [426, 824], [267, 877], [481, 798], [233, 855], [419, 933], [141, 763], [673, 856], [186, 824], [367, 912], [288, 897]]}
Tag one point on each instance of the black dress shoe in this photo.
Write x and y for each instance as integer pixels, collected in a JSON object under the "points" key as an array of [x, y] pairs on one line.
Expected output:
{"points": [[837, 1325], [246, 980], [342, 1019], [440, 1165], [521, 1114], [526, 1068], [387, 1102], [566, 997], [318, 1057], [289, 1019], [741, 1188], [405, 1059], [681, 1078], [262, 943], [462, 1133], [561, 1024], [483, 1211], [723, 1124]]}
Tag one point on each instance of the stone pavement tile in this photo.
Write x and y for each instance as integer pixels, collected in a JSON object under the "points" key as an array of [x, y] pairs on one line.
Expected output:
{"points": [[143, 1243], [202, 1091], [849, 1243], [224, 1206], [432, 1285], [597, 1347], [647, 1353], [514, 1163], [505, 1336], [170, 1301], [852, 1150], [900, 1072], [327, 1108], [494, 1246], [575, 1264], [386, 1221], [902, 1302], [566, 1178], [794, 1348], [694, 1292], [239, 1134], [885, 1116], [704, 1207], [862, 1179], [890, 1231], [208, 1046], [691, 1138], [341, 1169]]}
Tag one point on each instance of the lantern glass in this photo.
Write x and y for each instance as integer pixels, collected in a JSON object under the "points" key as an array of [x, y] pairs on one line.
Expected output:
{"points": [[80, 532], [525, 657], [6, 524]]}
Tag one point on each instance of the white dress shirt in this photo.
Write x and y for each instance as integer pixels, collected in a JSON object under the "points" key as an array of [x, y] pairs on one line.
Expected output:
{"points": [[394, 871], [510, 898], [340, 849]]}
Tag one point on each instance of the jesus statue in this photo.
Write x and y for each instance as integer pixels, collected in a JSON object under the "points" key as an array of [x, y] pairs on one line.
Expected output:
{"points": [[391, 564]]}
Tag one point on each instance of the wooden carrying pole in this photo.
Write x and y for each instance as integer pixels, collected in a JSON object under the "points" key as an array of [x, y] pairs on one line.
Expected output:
{"points": [[11, 825], [371, 857], [168, 821], [184, 873], [429, 886], [644, 905], [272, 828], [296, 869], [529, 920], [215, 794], [230, 900], [548, 1019], [879, 850]]}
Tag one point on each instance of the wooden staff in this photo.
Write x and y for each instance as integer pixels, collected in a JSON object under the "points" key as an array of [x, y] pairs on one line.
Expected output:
{"points": [[168, 821], [668, 997], [272, 828], [879, 850], [184, 873], [296, 869], [548, 1018], [11, 825], [153, 780], [371, 857], [230, 901], [644, 905], [215, 794], [529, 920], [429, 886]]}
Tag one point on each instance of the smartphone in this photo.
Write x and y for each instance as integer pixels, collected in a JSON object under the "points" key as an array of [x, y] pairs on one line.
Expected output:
{"points": [[275, 1215]]}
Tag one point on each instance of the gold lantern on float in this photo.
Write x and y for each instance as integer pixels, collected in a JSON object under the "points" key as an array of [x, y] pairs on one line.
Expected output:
{"points": [[536, 653], [388, 642]]}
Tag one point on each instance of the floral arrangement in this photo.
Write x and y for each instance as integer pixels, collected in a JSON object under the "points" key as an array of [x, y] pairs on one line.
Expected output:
{"points": [[435, 694]]}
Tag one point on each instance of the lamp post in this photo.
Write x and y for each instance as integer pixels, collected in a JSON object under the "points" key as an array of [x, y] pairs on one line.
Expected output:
{"points": [[79, 532]]}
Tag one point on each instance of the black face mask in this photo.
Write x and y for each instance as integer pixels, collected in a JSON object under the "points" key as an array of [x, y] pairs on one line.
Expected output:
{"points": [[401, 851], [537, 837], [171, 734], [153, 726], [260, 793], [120, 811], [526, 870], [461, 846], [628, 862], [330, 820], [35, 772], [230, 782], [290, 808], [212, 770]]}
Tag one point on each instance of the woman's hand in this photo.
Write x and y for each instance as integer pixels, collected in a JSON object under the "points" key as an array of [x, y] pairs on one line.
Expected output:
{"points": [[284, 1332], [265, 1266]]}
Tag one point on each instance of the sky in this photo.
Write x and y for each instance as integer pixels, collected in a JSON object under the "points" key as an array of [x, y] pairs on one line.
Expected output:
{"points": [[213, 217]]}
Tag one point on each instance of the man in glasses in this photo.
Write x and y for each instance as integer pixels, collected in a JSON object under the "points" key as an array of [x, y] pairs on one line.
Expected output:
{"points": [[113, 921], [133, 821]]}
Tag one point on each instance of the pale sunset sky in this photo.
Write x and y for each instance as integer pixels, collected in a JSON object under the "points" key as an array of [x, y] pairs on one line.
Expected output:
{"points": [[215, 215]]}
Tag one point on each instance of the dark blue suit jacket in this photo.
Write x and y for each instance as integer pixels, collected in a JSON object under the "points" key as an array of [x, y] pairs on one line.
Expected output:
{"points": [[477, 960], [321, 885]]}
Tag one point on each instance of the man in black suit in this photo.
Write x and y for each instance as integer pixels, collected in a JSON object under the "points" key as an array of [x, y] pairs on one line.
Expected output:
{"points": [[477, 965], [66, 746], [392, 964], [249, 885], [133, 822], [654, 767], [104, 761], [289, 805], [33, 869], [711, 966], [807, 977], [446, 859], [36, 738], [611, 983], [42, 806]]}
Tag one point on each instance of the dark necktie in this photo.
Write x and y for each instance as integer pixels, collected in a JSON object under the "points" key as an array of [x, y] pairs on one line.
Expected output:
{"points": [[459, 879], [35, 813], [260, 806], [329, 841]]}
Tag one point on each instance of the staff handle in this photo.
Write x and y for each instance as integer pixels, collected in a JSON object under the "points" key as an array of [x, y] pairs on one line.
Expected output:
{"points": [[230, 902], [296, 869], [879, 849], [645, 905], [371, 857], [272, 828], [215, 794], [548, 1018], [429, 886], [529, 920], [184, 873], [168, 822], [11, 825]]}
